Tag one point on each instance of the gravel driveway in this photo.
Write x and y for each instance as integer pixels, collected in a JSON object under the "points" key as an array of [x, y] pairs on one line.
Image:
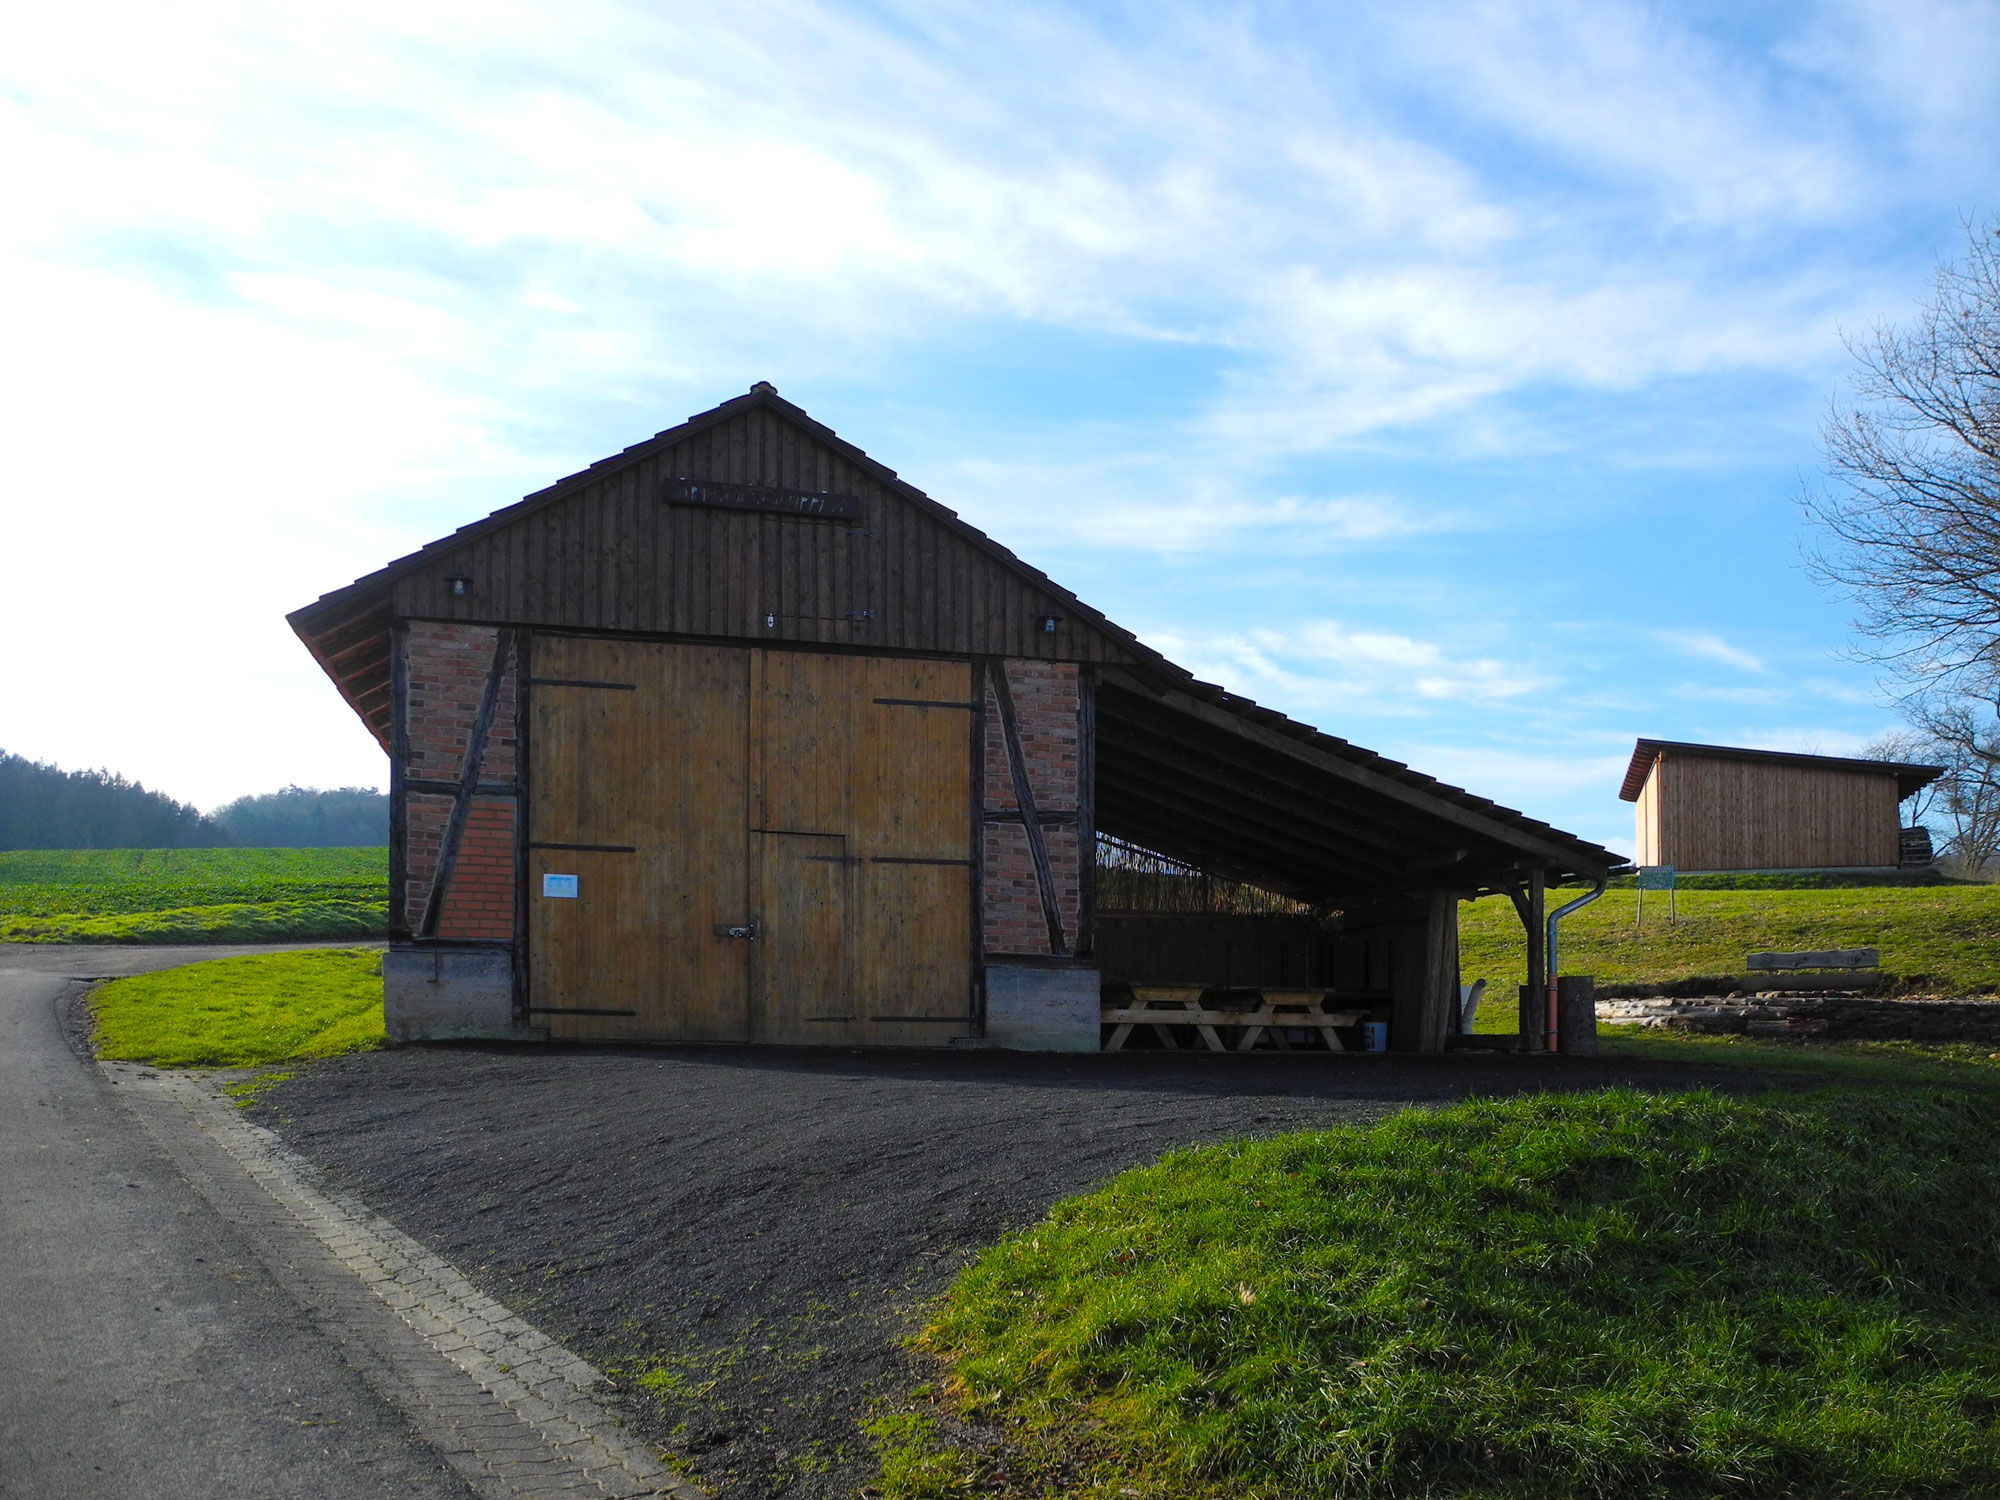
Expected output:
{"points": [[763, 1224]]}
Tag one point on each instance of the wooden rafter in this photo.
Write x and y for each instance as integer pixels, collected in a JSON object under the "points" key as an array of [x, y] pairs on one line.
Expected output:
{"points": [[1233, 784], [1391, 789]]}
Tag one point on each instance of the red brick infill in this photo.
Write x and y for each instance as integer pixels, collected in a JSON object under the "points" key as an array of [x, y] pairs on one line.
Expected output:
{"points": [[1046, 698], [448, 667]]}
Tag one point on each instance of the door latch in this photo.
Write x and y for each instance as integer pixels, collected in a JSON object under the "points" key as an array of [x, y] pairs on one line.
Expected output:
{"points": [[750, 929]]}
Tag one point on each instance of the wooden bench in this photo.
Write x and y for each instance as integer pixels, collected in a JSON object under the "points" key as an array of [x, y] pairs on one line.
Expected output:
{"points": [[1165, 1006], [1833, 958], [1848, 968]]}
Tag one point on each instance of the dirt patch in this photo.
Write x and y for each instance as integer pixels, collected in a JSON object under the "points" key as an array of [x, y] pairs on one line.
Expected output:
{"points": [[754, 1231]]}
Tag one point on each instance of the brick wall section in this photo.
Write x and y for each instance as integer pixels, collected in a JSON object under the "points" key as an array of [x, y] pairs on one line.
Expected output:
{"points": [[1064, 866], [1046, 699], [447, 673], [480, 901], [1045, 710], [1011, 907], [424, 835], [448, 666]]}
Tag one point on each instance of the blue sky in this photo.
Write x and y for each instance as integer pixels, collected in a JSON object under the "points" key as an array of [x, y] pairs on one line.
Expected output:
{"points": [[1442, 375]]}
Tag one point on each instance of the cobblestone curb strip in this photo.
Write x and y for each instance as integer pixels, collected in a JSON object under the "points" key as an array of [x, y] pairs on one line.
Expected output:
{"points": [[509, 1408]]}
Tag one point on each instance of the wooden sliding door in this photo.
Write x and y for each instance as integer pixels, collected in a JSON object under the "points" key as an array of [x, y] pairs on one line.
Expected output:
{"points": [[771, 846], [636, 789]]}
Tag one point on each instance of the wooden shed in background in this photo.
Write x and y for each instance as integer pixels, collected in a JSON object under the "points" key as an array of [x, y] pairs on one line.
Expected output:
{"points": [[736, 736], [1714, 807]]}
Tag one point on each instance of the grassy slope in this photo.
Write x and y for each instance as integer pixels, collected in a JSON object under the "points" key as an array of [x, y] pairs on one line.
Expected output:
{"points": [[1593, 1295], [243, 1012], [192, 895], [1955, 1065], [1940, 939]]}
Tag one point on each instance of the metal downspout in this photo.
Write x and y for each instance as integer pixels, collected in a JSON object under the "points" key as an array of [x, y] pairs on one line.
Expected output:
{"points": [[1552, 1037]]}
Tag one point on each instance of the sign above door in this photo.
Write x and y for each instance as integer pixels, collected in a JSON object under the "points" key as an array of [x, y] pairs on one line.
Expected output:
{"points": [[819, 503]]}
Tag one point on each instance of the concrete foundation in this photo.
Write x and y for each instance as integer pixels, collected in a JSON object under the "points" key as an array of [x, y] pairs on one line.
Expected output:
{"points": [[1037, 1008], [450, 995]]}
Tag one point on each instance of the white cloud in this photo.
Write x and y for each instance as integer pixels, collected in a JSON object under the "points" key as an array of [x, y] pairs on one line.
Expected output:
{"points": [[288, 290], [1925, 69], [1639, 95], [1329, 674], [1711, 648], [1163, 504]]}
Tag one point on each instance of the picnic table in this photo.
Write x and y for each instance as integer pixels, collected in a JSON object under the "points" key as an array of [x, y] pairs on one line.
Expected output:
{"points": [[1270, 1012]]}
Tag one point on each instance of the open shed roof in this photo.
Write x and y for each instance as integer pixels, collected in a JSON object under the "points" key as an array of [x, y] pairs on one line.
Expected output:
{"points": [[1183, 766]]}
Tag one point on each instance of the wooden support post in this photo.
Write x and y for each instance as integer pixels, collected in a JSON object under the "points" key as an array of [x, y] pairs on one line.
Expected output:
{"points": [[399, 793], [1440, 992], [1409, 948], [1529, 905]]}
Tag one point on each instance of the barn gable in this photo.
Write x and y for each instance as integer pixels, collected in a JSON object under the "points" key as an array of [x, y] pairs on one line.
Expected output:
{"points": [[747, 522]]}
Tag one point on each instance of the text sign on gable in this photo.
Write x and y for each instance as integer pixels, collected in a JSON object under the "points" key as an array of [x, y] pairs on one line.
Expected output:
{"points": [[1656, 877], [761, 497]]}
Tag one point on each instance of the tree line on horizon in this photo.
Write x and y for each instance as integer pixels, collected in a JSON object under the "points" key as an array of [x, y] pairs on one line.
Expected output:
{"points": [[45, 807]]}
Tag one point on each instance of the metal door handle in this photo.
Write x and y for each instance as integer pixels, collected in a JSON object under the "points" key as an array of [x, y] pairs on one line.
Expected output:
{"points": [[750, 929]]}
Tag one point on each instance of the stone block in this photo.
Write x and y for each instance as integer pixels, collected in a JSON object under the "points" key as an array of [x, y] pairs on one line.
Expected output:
{"points": [[1042, 1008], [1576, 1014], [450, 995]]}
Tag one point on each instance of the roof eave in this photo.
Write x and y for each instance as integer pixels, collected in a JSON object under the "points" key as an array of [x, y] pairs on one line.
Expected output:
{"points": [[1911, 776]]}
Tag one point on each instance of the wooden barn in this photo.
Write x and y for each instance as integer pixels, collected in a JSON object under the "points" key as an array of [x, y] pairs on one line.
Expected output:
{"points": [[1712, 807], [736, 736]]}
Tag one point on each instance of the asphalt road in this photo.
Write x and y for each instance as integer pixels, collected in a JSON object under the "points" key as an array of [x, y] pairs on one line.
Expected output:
{"points": [[144, 1349]]}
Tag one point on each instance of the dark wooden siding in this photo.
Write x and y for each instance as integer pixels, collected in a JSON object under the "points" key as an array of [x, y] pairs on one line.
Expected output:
{"points": [[614, 556]]}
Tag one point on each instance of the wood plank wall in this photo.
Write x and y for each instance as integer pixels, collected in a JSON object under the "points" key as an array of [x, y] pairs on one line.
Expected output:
{"points": [[1715, 814], [614, 556], [1646, 838]]}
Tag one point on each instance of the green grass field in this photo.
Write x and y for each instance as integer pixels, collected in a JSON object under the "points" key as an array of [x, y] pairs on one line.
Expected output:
{"points": [[1587, 1295], [192, 895], [1968, 1066], [1939, 939], [243, 1012]]}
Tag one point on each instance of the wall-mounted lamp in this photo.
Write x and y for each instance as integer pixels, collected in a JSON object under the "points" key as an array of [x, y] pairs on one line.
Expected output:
{"points": [[459, 585], [1047, 624]]}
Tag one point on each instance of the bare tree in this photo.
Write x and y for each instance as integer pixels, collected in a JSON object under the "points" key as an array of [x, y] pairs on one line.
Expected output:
{"points": [[1912, 515], [1910, 523], [1963, 805]]}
